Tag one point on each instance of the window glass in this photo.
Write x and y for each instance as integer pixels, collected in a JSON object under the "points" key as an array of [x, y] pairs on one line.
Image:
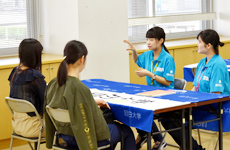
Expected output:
{"points": [[167, 8], [13, 23], [175, 7]]}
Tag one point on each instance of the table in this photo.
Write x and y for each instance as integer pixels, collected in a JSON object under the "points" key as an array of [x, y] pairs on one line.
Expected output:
{"points": [[192, 99], [190, 70]]}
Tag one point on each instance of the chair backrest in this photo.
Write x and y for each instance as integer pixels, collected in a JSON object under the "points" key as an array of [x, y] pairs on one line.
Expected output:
{"points": [[22, 106], [60, 115], [179, 83], [194, 71]]}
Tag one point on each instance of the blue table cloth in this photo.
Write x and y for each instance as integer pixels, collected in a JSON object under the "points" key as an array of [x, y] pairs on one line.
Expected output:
{"points": [[188, 73], [125, 114]]}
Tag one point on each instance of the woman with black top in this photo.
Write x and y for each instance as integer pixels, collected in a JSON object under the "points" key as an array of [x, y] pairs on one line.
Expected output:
{"points": [[27, 82]]}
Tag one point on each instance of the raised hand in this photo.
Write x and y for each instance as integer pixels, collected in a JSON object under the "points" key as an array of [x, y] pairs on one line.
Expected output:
{"points": [[131, 48]]}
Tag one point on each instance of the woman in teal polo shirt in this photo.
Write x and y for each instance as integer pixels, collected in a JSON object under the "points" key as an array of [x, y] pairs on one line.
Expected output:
{"points": [[211, 77], [160, 71], [158, 66], [212, 74]]}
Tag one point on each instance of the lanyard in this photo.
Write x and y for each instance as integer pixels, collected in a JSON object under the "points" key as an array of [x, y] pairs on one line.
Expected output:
{"points": [[153, 70], [198, 79]]}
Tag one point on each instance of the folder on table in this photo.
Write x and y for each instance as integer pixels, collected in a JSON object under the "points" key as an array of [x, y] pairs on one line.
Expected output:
{"points": [[157, 93]]}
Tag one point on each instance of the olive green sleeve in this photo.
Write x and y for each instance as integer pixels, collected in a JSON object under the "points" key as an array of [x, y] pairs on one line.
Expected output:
{"points": [[81, 117], [50, 129]]}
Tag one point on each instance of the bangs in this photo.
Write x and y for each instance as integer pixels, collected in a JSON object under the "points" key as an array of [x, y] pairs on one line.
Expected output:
{"points": [[151, 34], [200, 35]]}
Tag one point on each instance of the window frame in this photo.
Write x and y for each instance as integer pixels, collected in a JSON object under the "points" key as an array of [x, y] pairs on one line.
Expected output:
{"points": [[207, 8], [33, 26]]}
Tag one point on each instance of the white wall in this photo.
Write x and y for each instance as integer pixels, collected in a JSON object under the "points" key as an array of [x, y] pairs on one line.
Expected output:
{"points": [[222, 23], [102, 25], [60, 24]]}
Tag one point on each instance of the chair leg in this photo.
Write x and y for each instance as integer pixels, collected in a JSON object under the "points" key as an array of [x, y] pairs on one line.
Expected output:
{"points": [[173, 145], [198, 131], [11, 143], [55, 140], [36, 145], [216, 144], [30, 146]]}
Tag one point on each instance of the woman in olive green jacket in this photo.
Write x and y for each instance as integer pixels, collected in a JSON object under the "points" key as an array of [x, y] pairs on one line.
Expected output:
{"points": [[88, 128]]}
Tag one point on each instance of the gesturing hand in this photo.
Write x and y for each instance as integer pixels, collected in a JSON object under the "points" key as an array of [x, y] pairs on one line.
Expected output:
{"points": [[141, 72], [131, 48]]}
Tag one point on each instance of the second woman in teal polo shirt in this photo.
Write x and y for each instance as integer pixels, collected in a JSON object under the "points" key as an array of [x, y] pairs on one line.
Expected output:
{"points": [[212, 76]]}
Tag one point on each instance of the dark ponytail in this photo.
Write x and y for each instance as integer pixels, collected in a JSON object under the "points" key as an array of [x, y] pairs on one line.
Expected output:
{"points": [[72, 52], [212, 37], [157, 33], [163, 44], [62, 73], [221, 44]]}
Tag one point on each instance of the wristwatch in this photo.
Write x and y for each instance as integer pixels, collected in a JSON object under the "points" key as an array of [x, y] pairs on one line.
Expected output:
{"points": [[154, 77]]}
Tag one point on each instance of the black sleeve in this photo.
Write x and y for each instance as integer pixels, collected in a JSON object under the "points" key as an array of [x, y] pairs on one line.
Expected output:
{"points": [[11, 74], [38, 87], [108, 115]]}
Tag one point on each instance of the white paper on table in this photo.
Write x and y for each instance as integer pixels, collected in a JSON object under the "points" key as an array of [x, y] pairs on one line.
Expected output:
{"points": [[191, 65], [135, 100], [181, 91]]}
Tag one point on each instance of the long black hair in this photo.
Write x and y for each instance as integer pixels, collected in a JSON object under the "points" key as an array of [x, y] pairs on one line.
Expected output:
{"points": [[29, 51], [212, 37], [157, 33], [72, 52]]}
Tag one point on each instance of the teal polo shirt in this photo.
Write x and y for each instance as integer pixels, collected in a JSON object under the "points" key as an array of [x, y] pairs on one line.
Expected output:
{"points": [[213, 76], [165, 67]]}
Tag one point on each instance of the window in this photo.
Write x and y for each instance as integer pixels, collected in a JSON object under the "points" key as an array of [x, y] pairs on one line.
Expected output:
{"points": [[179, 18], [18, 20]]}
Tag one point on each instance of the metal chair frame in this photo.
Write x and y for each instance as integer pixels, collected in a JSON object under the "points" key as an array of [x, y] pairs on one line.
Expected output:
{"points": [[181, 81], [62, 115], [178, 83], [24, 106]]}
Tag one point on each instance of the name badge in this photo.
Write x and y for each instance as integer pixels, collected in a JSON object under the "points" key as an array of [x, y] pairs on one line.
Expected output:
{"points": [[206, 78], [160, 69]]}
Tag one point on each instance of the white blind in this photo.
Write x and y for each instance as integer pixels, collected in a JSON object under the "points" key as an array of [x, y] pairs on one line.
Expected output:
{"points": [[179, 18], [18, 20]]}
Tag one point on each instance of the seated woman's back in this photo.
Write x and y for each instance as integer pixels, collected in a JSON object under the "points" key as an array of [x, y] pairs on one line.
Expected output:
{"points": [[27, 82], [77, 98], [28, 85], [67, 92]]}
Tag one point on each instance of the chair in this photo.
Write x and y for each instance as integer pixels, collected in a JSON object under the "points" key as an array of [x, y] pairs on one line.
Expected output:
{"points": [[179, 83], [24, 106], [61, 115]]}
